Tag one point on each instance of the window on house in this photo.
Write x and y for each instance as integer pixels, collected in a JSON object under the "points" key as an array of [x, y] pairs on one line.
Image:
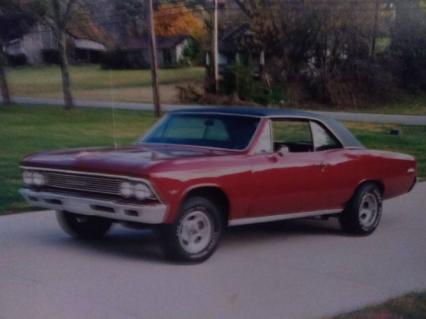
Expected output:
{"points": [[167, 57]]}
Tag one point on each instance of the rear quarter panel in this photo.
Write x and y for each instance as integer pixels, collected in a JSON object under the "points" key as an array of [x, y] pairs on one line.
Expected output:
{"points": [[397, 172]]}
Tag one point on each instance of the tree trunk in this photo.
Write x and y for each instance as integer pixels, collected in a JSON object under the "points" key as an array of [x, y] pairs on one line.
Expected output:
{"points": [[3, 81], [66, 78]]}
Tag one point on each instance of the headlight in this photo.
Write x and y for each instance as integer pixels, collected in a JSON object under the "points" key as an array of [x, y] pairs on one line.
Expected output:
{"points": [[33, 178], [38, 179], [142, 191], [27, 177], [126, 189]]}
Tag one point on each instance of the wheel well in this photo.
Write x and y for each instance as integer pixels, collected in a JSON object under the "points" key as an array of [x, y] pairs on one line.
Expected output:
{"points": [[378, 183], [216, 195]]}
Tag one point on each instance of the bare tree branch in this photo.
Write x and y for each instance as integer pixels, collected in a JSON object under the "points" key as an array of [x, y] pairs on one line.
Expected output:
{"points": [[242, 5]]}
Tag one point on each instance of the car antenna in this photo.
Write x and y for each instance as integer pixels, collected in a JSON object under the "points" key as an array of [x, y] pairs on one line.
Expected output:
{"points": [[111, 94]]}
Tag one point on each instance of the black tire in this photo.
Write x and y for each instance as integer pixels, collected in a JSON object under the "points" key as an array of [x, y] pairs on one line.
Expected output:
{"points": [[364, 211], [82, 226], [197, 215]]}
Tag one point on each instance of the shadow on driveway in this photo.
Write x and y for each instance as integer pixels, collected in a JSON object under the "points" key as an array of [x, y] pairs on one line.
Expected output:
{"points": [[146, 244]]}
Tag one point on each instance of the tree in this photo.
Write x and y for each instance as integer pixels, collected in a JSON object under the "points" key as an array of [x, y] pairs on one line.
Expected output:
{"points": [[66, 18], [407, 50], [130, 15], [14, 22], [318, 49], [172, 19]]}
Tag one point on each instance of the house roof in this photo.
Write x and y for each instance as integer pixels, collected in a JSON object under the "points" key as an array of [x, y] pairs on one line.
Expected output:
{"points": [[142, 42], [234, 39], [343, 134]]}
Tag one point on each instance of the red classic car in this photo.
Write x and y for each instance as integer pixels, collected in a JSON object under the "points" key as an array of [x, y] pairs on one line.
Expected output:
{"points": [[201, 170]]}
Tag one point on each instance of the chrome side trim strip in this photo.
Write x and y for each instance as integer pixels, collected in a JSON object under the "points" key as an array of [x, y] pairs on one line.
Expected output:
{"points": [[273, 218]]}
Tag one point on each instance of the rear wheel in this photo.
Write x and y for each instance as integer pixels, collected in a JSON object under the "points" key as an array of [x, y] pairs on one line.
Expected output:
{"points": [[196, 233], [363, 214], [82, 226]]}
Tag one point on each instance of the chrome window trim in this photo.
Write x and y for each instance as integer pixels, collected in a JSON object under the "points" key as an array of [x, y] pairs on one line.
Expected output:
{"points": [[129, 178], [328, 131], [273, 218], [255, 149], [218, 113]]}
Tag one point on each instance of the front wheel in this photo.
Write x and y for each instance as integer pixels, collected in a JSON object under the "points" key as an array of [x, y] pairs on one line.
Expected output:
{"points": [[82, 226], [363, 213], [196, 233]]}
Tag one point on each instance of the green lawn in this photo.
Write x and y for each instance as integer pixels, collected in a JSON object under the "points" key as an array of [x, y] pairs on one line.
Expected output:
{"points": [[407, 105], [25, 129], [410, 306], [92, 82]]}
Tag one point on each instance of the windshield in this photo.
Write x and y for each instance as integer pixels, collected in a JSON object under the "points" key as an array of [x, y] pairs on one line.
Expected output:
{"points": [[210, 130]]}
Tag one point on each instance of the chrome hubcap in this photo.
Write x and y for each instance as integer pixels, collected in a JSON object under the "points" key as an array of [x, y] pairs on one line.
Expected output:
{"points": [[368, 210], [195, 232]]}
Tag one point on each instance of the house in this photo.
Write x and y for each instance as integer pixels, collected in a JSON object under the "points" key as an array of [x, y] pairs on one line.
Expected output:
{"points": [[169, 49], [237, 45], [26, 49], [39, 46]]}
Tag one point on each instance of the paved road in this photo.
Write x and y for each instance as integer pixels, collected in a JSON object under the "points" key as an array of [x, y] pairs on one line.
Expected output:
{"points": [[342, 116], [297, 269]]}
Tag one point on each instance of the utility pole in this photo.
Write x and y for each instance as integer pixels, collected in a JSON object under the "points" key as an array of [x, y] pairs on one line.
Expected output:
{"points": [[215, 58], [154, 64]]}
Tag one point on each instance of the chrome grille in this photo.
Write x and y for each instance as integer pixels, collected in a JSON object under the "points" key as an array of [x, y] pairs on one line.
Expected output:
{"points": [[86, 183]]}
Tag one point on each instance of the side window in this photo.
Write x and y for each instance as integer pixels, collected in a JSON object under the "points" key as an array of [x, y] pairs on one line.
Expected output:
{"points": [[293, 134], [323, 139]]}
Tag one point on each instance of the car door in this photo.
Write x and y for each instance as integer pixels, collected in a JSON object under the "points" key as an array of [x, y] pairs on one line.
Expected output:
{"points": [[287, 175], [339, 168]]}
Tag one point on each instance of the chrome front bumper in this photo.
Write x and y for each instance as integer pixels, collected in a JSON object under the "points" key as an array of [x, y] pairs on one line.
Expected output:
{"points": [[148, 214]]}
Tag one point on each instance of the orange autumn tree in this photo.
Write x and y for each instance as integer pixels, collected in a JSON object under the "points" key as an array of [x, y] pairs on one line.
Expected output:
{"points": [[172, 19]]}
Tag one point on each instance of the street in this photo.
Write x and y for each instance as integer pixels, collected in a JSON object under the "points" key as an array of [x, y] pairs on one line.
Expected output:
{"points": [[294, 269], [340, 116]]}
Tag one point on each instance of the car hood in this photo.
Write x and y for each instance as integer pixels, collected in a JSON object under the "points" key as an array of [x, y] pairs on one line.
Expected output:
{"points": [[134, 160]]}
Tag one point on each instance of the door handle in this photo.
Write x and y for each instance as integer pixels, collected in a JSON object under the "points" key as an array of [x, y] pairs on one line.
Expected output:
{"points": [[272, 158]]}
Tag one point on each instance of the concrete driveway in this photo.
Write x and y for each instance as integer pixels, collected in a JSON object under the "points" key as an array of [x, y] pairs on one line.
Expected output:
{"points": [[297, 269]]}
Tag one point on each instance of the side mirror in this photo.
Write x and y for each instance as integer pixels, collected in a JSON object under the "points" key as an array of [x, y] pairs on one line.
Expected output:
{"points": [[283, 150]]}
